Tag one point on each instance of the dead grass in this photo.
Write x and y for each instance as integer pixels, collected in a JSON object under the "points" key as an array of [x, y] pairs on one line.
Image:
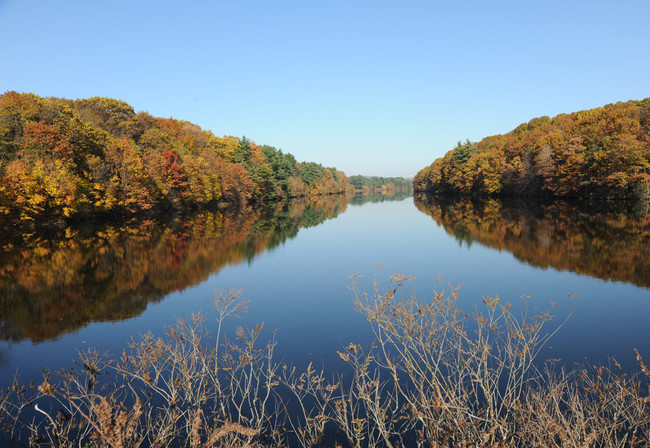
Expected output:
{"points": [[436, 376]]}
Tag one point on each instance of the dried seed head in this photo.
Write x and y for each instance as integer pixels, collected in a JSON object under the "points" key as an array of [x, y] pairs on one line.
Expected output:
{"points": [[46, 388]]}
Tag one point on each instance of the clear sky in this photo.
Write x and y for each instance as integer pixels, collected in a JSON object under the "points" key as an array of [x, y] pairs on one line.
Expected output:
{"points": [[371, 87]]}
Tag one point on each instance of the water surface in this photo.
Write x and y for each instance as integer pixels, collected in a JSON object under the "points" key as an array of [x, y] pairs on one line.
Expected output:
{"points": [[98, 285]]}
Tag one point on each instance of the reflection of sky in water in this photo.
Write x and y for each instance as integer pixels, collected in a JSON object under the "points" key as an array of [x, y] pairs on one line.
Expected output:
{"points": [[299, 290]]}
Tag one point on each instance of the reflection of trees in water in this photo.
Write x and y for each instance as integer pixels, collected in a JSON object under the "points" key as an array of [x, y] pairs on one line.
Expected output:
{"points": [[391, 195], [59, 280], [611, 244]]}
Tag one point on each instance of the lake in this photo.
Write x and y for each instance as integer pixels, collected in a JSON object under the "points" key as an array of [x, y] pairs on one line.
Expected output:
{"points": [[99, 284]]}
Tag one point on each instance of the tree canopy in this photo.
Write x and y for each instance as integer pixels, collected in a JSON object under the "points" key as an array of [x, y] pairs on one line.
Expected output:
{"points": [[97, 155], [377, 182], [602, 152]]}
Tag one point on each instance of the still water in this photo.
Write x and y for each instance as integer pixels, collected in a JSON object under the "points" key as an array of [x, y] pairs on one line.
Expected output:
{"points": [[98, 285]]}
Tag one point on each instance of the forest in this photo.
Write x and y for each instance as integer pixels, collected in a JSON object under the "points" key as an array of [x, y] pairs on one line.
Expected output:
{"points": [[600, 153], [92, 156], [378, 183]]}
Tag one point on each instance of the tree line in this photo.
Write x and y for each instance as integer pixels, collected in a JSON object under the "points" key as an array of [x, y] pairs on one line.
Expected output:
{"points": [[378, 182], [96, 155], [602, 152]]}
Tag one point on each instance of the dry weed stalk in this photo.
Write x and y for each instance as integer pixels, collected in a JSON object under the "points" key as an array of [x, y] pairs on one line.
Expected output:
{"points": [[435, 377], [163, 391], [440, 377]]}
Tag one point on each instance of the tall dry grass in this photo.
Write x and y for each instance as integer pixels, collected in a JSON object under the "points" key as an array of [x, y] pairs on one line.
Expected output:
{"points": [[435, 376], [441, 377]]}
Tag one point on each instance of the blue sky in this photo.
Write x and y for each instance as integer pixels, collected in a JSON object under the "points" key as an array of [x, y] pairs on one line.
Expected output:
{"points": [[371, 87]]}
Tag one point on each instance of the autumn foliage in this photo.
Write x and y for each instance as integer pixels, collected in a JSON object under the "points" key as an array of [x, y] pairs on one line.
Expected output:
{"points": [[96, 155], [602, 152]]}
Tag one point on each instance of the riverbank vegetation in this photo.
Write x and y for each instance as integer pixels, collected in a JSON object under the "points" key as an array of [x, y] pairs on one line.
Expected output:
{"points": [[435, 376], [378, 184], [602, 152], [96, 156]]}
